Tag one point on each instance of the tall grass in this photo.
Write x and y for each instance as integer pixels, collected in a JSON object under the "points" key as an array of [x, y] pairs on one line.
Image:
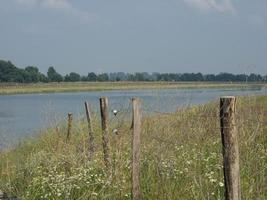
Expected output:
{"points": [[180, 158]]}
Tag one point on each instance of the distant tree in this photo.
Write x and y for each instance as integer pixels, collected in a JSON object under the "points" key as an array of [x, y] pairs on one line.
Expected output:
{"points": [[33, 75], [255, 77], [53, 76], [84, 78], [139, 77], [131, 77], [154, 76], [174, 77], [121, 76], [164, 77], [192, 77], [92, 76], [113, 77], [210, 77], [102, 77], [198, 77], [225, 77], [10, 73], [117, 76], [186, 77], [72, 77], [43, 78], [146, 76], [241, 77]]}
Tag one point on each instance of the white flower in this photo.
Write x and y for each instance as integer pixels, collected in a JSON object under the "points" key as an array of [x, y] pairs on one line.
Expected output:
{"points": [[213, 180], [94, 194], [221, 184]]}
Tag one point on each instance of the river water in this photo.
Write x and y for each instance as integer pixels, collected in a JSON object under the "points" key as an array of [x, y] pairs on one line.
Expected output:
{"points": [[26, 114]]}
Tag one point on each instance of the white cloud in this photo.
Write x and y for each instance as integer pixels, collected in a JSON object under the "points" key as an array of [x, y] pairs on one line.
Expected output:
{"points": [[222, 6], [59, 5]]}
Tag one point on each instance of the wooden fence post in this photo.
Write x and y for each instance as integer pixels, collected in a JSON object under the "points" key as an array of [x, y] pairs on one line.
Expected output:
{"points": [[105, 132], [90, 131], [230, 150], [70, 118], [137, 115]]}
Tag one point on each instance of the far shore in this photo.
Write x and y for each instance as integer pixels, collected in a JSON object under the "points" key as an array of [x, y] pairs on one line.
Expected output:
{"points": [[23, 88]]}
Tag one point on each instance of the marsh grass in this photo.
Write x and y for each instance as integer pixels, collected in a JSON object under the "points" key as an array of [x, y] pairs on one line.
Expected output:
{"points": [[15, 88], [180, 158]]}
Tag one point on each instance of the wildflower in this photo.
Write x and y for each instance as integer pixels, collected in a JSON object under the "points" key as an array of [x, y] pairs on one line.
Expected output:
{"points": [[212, 180], [94, 194], [221, 184]]}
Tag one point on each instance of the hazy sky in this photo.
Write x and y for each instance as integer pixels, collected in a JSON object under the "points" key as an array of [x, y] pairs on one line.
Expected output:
{"points": [[207, 36]]}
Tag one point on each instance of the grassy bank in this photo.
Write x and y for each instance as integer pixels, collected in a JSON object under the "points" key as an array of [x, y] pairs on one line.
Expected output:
{"points": [[180, 159], [96, 86]]}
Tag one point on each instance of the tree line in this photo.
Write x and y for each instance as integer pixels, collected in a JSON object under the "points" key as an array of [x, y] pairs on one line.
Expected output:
{"points": [[31, 74]]}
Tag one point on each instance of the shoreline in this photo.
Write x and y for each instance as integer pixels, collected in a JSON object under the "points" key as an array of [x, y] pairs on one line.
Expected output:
{"points": [[43, 88]]}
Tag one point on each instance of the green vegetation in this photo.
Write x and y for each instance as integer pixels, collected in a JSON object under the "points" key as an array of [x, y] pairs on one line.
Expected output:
{"points": [[98, 86], [181, 158], [10, 73]]}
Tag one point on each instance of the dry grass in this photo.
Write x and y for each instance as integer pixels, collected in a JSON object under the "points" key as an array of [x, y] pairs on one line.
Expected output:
{"points": [[97, 86]]}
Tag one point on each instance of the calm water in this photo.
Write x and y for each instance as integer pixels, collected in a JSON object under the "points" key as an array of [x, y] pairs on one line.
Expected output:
{"points": [[25, 115]]}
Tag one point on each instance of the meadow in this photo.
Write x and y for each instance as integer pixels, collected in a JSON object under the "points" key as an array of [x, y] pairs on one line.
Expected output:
{"points": [[16, 88], [181, 157]]}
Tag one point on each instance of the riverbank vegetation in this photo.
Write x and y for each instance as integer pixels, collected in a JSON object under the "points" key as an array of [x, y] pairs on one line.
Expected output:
{"points": [[12, 88], [180, 158], [31, 74]]}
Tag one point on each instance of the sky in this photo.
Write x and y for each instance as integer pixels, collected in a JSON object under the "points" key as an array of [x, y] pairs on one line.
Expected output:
{"points": [[102, 36]]}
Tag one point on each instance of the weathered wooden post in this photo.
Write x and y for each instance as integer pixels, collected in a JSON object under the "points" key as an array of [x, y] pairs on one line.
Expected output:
{"points": [[90, 131], [230, 150], [137, 115], [70, 118], [105, 132]]}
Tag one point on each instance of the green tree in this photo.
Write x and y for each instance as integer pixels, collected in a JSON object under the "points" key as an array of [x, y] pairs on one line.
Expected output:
{"points": [[72, 77], [102, 77], [32, 74], [53, 76], [92, 76], [10, 73]]}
